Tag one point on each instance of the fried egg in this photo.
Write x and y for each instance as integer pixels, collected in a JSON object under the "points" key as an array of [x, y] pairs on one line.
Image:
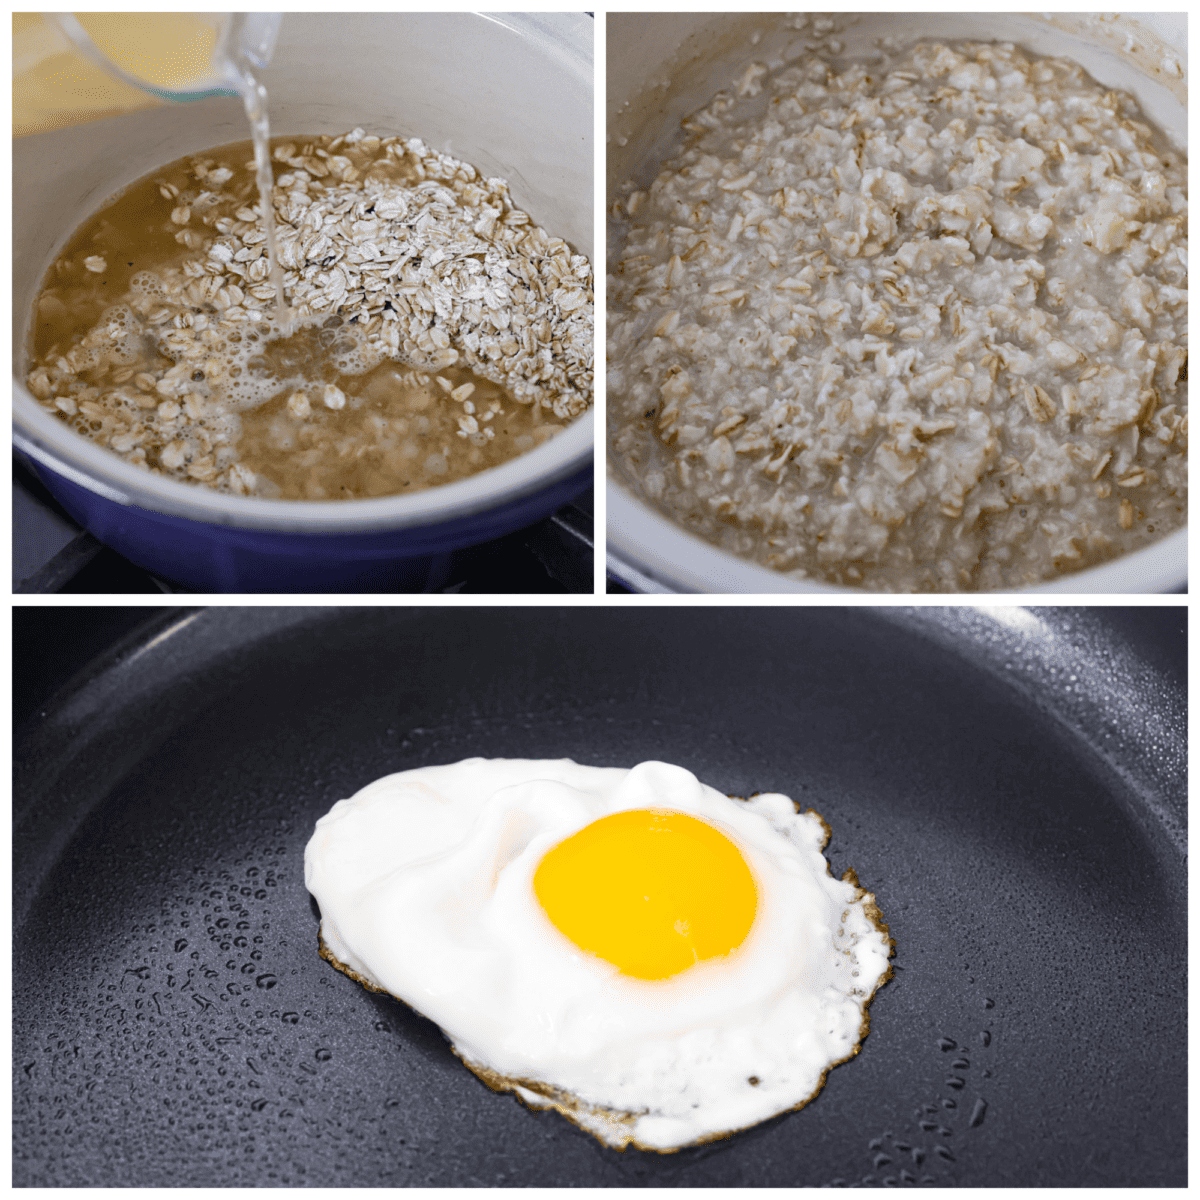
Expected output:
{"points": [[659, 962]]}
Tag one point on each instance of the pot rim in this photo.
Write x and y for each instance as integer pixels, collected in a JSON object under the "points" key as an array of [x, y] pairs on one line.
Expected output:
{"points": [[91, 466], [653, 546]]}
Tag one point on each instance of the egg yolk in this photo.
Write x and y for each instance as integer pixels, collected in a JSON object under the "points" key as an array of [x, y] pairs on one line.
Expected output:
{"points": [[649, 890]]}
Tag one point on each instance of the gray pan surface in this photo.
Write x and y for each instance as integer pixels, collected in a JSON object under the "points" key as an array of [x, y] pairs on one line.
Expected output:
{"points": [[1010, 783]]}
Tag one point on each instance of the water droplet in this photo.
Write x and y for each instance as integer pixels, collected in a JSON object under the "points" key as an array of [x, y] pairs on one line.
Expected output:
{"points": [[947, 1044], [324, 1055], [180, 945], [956, 1083], [942, 1152], [959, 1064], [948, 1103], [977, 1113], [266, 981], [989, 1003], [391, 1104], [986, 1038], [257, 1105], [290, 1018]]}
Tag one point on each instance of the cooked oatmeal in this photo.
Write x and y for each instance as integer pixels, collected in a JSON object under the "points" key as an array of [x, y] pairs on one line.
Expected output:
{"points": [[913, 324], [435, 329]]}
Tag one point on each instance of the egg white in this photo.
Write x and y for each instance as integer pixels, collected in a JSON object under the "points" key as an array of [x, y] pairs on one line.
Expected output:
{"points": [[425, 884]]}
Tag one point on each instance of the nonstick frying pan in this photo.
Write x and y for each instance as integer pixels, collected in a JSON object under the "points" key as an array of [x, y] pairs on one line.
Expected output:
{"points": [[1009, 782]]}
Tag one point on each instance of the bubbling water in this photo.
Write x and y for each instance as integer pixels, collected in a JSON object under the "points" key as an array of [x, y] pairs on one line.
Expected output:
{"points": [[258, 362]]}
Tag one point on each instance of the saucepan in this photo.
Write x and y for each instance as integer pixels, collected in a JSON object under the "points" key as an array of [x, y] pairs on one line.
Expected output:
{"points": [[663, 66], [509, 93]]}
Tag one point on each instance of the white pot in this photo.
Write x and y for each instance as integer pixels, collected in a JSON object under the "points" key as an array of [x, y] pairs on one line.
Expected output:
{"points": [[509, 93], [663, 66]]}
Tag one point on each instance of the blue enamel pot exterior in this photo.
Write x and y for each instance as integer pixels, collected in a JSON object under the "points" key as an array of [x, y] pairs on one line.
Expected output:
{"points": [[225, 558]]}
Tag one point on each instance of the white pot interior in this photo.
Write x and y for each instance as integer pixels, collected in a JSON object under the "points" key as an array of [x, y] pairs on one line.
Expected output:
{"points": [[663, 66], [509, 93]]}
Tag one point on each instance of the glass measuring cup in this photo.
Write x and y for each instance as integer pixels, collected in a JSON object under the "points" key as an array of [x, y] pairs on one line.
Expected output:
{"points": [[74, 67]]}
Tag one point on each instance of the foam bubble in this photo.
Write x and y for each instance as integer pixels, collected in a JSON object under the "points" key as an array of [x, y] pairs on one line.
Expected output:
{"points": [[146, 283], [119, 314], [353, 355]]}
